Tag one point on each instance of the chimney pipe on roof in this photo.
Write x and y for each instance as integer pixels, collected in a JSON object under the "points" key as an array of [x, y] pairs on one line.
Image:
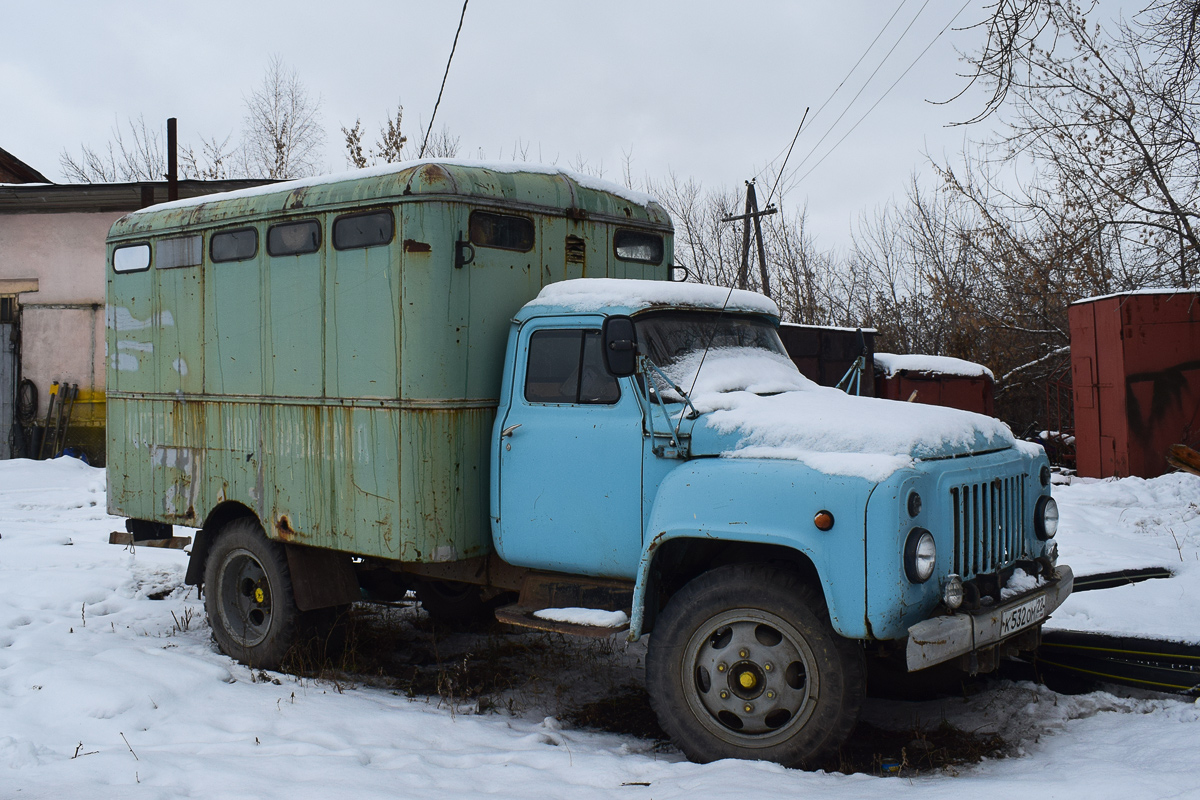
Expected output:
{"points": [[172, 160]]}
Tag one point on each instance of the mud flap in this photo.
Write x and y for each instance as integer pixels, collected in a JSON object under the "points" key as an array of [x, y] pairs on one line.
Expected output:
{"points": [[321, 578], [195, 567]]}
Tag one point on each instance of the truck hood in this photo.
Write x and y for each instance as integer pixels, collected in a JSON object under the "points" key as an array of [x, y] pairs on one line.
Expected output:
{"points": [[756, 404]]}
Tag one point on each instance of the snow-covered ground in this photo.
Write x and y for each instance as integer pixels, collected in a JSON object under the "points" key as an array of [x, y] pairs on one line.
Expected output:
{"points": [[1127, 524], [106, 692]]}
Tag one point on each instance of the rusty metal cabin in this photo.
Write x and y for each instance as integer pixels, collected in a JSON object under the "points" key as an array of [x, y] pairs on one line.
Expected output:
{"points": [[1135, 362], [326, 354]]}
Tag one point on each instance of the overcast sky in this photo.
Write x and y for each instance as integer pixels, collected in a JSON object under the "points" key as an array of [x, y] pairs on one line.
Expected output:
{"points": [[709, 90]]}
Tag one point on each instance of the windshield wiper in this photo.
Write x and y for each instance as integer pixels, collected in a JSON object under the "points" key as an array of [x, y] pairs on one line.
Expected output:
{"points": [[658, 398]]}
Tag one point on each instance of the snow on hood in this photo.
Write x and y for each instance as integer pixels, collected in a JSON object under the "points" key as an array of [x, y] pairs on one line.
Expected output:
{"points": [[756, 404], [587, 295]]}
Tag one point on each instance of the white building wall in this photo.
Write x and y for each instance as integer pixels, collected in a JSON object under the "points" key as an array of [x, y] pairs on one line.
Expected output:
{"points": [[62, 322]]}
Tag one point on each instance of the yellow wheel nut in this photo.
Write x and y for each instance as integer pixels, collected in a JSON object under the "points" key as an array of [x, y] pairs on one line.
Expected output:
{"points": [[767, 666], [748, 708], [746, 679], [720, 667], [742, 653], [724, 695], [258, 595], [770, 695]]}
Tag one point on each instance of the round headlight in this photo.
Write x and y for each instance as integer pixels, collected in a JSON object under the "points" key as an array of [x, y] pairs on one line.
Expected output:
{"points": [[914, 504], [920, 553], [1044, 475], [1045, 517]]}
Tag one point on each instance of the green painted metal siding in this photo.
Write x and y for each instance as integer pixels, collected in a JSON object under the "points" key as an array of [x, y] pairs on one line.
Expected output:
{"points": [[294, 330], [345, 396]]}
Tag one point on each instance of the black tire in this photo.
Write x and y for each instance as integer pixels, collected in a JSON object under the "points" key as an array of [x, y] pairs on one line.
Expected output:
{"points": [[248, 596], [455, 605], [750, 636]]}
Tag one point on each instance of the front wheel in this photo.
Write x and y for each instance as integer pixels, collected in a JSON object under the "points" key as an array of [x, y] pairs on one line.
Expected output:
{"points": [[743, 663]]}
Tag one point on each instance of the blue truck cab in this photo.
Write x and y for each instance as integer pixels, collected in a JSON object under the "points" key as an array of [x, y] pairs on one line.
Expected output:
{"points": [[772, 533]]}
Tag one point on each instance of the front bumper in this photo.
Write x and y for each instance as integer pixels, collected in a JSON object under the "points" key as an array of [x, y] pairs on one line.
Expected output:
{"points": [[943, 638]]}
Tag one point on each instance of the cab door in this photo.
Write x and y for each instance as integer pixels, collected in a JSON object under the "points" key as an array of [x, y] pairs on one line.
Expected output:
{"points": [[570, 458]]}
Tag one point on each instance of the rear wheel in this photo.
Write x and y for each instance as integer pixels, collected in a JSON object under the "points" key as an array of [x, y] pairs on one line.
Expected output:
{"points": [[743, 663], [248, 596]]}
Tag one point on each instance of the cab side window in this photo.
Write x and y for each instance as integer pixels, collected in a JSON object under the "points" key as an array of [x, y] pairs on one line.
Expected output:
{"points": [[567, 367]]}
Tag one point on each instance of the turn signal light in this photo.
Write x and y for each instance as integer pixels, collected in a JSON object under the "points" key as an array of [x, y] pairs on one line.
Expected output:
{"points": [[823, 520]]}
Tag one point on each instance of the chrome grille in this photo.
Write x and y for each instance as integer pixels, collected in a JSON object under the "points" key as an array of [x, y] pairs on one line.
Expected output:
{"points": [[989, 524]]}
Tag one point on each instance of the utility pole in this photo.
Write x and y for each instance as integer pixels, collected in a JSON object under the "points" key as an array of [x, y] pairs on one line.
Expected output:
{"points": [[753, 215]]}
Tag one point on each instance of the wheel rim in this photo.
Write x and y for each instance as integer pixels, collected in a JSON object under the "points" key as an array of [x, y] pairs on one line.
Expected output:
{"points": [[750, 677], [244, 598]]}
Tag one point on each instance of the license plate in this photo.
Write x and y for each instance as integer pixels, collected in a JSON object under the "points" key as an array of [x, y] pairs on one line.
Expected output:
{"points": [[1022, 616]]}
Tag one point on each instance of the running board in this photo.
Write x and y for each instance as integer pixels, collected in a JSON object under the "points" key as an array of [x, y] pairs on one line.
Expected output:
{"points": [[523, 617], [545, 590]]}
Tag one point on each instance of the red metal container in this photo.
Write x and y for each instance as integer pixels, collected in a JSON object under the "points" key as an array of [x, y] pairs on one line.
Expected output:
{"points": [[1135, 365], [940, 382]]}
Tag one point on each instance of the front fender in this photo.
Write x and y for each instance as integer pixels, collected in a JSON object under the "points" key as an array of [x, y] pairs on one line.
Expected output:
{"points": [[769, 502]]}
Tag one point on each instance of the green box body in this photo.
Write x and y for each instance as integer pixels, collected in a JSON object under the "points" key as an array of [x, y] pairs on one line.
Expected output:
{"points": [[347, 396]]}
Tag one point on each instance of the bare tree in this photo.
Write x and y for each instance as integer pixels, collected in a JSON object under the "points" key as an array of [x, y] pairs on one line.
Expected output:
{"points": [[282, 136], [136, 156], [355, 155], [282, 139], [391, 144], [708, 248], [1108, 118], [389, 147], [217, 160], [140, 155], [952, 271], [441, 143]]}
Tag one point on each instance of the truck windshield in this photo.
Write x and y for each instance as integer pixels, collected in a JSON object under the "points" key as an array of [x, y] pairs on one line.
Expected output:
{"points": [[707, 352], [672, 336]]}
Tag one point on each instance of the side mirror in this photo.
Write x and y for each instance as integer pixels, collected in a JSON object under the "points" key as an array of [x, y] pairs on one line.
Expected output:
{"points": [[620, 346]]}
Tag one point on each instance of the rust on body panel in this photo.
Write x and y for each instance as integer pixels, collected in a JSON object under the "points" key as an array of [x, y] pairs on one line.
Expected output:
{"points": [[345, 397]]}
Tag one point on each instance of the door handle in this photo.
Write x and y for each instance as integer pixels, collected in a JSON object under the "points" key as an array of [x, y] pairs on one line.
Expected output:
{"points": [[509, 430]]}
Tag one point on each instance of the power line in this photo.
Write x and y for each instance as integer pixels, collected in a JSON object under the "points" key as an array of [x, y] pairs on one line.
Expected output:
{"points": [[862, 88], [446, 74], [785, 159], [885, 94], [832, 94]]}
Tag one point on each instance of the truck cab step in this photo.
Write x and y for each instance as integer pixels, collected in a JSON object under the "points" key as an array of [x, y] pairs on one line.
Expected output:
{"points": [[523, 616]]}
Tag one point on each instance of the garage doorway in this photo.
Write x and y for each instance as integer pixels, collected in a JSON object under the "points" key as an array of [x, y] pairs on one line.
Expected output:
{"points": [[8, 375]]}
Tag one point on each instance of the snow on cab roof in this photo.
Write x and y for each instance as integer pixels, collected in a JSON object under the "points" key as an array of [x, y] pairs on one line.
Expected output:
{"points": [[512, 167], [585, 295], [892, 363]]}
